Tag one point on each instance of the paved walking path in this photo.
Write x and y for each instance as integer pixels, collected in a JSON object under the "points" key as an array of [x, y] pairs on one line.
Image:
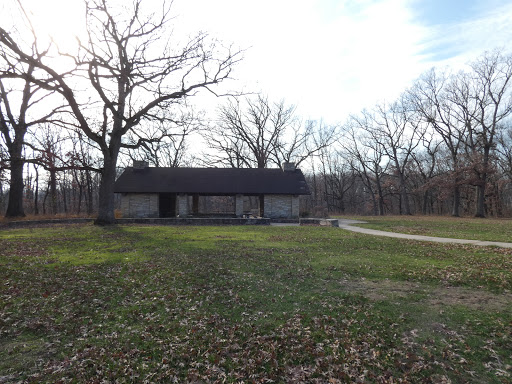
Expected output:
{"points": [[349, 226]]}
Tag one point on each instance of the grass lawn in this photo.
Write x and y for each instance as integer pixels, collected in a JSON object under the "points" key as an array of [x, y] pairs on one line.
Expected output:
{"points": [[85, 304], [443, 226]]}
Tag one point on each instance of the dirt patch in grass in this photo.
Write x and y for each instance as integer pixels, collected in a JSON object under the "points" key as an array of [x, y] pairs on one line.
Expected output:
{"points": [[380, 289], [440, 296], [471, 298]]}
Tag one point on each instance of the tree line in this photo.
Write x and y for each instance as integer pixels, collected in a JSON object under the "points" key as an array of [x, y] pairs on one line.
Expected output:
{"points": [[444, 147], [71, 121]]}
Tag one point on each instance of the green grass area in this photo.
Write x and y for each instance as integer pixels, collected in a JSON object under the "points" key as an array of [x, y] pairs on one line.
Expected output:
{"points": [[249, 304], [440, 226]]}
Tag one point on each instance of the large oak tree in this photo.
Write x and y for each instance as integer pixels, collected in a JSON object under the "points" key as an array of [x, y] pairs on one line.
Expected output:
{"points": [[128, 71]]}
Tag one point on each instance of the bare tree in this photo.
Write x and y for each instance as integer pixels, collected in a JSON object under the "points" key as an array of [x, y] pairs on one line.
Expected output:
{"points": [[504, 149], [247, 135], [398, 131], [84, 160], [431, 98], [171, 149], [366, 157], [467, 110], [257, 133], [305, 141], [48, 146], [19, 98], [425, 160], [491, 95], [338, 179], [135, 73]]}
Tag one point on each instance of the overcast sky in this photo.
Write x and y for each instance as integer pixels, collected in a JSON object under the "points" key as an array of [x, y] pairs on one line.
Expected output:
{"points": [[333, 57]]}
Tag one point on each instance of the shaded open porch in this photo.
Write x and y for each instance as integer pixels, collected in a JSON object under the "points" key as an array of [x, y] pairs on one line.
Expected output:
{"points": [[206, 205]]}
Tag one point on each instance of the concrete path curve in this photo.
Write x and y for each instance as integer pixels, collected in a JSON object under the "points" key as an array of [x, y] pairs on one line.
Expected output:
{"points": [[349, 226]]}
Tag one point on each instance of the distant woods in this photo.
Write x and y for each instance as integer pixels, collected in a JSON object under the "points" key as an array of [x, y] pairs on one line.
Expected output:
{"points": [[70, 122], [444, 147]]}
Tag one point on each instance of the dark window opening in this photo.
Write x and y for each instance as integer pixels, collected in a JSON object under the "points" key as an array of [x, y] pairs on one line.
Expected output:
{"points": [[167, 204]]}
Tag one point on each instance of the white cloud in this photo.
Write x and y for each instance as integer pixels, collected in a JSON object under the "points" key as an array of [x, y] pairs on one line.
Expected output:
{"points": [[377, 53], [458, 43], [330, 57]]}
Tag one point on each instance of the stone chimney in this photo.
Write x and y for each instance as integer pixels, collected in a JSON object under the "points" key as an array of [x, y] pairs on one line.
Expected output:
{"points": [[140, 164], [288, 167]]}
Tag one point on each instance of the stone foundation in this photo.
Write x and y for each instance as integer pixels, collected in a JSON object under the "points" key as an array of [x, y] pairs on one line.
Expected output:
{"points": [[195, 221]]}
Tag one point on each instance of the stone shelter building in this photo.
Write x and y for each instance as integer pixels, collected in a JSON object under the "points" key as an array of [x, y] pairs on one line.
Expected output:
{"points": [[234, 192]]}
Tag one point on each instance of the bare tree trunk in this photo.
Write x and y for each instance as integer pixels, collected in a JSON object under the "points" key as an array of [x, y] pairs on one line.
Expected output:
{"points": [[15, 204], [106, 190], [499, 201], [36, 193], [64, 201], [80, 191], [380, 196], [481, 187], [53, 191], [404, 197], [90, 191], [424, 205], [456, 202], [1, 195], [375, 205], [44, 199], [480, 198]]}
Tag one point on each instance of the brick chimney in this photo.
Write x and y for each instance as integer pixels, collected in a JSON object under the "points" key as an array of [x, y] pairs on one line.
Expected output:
{"points": [[140, 164], [288, 167]]}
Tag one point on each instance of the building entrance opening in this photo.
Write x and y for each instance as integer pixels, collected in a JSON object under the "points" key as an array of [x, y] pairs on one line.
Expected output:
{"points": [[167, 204]]}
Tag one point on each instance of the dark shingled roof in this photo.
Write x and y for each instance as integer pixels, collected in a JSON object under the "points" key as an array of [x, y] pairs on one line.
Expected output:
{"points": [[212, 181]]}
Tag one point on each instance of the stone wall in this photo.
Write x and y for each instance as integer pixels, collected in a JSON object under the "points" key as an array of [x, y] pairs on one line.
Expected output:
{"points": [[182, 205], [239, 205], [281, 206], [195, 221], [146, 205], [139, 205], [321, 222]]}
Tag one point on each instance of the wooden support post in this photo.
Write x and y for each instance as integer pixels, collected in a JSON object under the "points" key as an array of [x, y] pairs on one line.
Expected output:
{"points": [[262, 205], [195, 204]]}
